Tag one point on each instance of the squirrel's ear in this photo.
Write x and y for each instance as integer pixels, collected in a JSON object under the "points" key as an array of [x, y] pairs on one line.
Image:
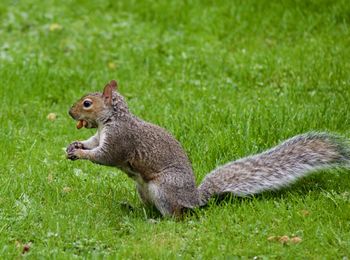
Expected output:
{"points": [[113, 84], [108, 91]]}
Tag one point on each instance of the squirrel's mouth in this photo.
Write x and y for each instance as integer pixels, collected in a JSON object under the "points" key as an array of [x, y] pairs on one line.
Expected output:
{"points": [[82, 123]]}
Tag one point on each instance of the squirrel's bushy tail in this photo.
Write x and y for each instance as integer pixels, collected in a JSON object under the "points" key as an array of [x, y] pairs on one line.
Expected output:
{"points": [[277, 167]]}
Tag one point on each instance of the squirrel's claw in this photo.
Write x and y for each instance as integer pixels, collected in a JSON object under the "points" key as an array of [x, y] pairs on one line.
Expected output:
{"points": [[75, 154], [72, 148], [72, 156]]}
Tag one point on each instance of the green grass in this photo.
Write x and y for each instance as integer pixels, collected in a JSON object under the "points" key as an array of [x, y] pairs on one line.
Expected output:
{"points": [[227, 78]]}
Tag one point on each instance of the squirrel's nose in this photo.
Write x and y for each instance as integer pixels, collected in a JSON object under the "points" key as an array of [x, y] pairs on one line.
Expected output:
{"points": [[70, 113]]}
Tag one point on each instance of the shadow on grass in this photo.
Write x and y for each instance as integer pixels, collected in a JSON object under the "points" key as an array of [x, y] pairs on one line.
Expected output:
{"points": [[316, 183]]}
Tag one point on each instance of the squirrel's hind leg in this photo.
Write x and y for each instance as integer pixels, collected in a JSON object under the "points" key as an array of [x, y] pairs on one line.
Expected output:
{"points": [[171, 193], [155, 195], [164, 202], [142, 189]]}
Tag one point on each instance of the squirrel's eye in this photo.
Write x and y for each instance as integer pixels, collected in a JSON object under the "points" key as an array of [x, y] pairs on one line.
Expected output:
{"points": [[87, 103]]}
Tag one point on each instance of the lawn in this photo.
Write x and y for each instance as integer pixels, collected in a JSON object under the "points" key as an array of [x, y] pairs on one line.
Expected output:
{"points": [[227, 78]]}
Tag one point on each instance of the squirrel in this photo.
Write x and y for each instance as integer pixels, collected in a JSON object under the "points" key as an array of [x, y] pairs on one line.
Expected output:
{"points": [[158, 164]]}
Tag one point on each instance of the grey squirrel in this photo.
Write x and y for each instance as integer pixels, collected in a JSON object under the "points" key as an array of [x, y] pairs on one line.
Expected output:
{"points": [[155, 160]]}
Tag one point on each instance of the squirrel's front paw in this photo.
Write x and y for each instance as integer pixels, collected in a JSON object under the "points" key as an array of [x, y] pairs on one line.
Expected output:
{"points": [[73, 146], [73, 150], [74, 154]]}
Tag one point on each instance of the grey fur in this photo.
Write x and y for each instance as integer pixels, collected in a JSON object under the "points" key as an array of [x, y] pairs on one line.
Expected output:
{"points": [[278, 167], [163, 173]]}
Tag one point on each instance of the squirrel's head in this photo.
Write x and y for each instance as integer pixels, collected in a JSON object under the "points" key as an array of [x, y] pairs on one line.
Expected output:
{"points": [[96, 108]]}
